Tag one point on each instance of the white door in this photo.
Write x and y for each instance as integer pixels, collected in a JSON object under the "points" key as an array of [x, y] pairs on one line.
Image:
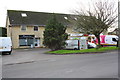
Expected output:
{"points": [[37, 42]]}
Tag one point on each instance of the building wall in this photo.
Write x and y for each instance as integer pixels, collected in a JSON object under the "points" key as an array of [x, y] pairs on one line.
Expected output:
{"points": [[15, 31]]}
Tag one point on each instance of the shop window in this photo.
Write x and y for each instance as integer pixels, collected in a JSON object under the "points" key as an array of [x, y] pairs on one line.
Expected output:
{"points": [[22, 42], [26, 40]]}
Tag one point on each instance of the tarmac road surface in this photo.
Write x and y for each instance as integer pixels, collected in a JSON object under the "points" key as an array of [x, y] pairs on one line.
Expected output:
{"points": [[35, 64]]}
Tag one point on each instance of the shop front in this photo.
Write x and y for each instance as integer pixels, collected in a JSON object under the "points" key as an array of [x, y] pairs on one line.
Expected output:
{"points": [[29, 41]]}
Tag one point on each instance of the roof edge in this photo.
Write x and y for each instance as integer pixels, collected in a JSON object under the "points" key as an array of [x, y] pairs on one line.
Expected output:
{"points": [[40, 12]]}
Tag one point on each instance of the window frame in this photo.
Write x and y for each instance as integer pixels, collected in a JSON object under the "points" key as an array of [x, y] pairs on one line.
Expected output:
{"points": [[114, 39], [26, 40], [22, 28], [37, 28]]}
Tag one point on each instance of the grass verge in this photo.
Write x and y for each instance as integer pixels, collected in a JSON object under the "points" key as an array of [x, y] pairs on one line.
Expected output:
{"points": [[103, 49]]}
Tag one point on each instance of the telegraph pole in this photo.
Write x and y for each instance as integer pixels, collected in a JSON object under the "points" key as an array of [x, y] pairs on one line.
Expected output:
{"points": [[119, 23]]}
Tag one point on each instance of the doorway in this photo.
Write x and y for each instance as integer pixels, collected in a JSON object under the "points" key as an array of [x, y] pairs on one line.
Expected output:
{"points": [[37, 42]]}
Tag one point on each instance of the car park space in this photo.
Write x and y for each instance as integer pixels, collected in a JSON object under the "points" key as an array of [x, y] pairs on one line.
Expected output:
{"points": [[23, 55]]}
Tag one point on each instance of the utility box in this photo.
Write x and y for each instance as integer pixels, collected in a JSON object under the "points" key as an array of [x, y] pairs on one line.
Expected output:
{"points": [[83, 43]]}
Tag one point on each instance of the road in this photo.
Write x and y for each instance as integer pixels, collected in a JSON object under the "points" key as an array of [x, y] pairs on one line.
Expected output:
{"points": [[36, 64]]}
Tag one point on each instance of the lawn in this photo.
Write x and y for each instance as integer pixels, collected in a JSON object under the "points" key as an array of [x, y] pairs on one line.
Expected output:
{"points": [[103, 49]]}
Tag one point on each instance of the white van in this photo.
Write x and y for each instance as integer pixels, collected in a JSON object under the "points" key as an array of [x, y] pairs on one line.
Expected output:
{"points": [[77, 44], [105, 40], [5, 45], [111, 40], [72, 44]]}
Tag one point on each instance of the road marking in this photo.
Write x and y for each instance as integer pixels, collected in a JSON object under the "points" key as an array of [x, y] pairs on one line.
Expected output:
{"points": [[20, 63], [52, 60]]}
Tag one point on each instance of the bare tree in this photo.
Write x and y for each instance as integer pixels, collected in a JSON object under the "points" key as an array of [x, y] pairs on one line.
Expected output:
{"points": [[96, 20]]}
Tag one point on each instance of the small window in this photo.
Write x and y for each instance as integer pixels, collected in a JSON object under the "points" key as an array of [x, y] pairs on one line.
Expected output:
{"points": [[114, 39], [35, 28], [23, 28]]}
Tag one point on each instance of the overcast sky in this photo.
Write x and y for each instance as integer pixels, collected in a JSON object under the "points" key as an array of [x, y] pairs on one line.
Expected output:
{"points": [[56, 6]]}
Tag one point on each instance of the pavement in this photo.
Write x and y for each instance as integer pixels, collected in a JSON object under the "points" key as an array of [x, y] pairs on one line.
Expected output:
{"points": [[33, 63]]}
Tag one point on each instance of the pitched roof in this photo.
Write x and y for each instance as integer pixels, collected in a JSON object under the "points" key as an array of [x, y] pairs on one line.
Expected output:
{"points": [[34, 18]]}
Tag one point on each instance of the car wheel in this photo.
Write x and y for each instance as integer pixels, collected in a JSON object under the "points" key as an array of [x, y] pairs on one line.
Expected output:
{"points": [[9, 53], [75, 48]]}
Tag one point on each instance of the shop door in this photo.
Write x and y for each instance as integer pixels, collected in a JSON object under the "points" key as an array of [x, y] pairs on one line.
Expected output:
{"points": [[37, 42]]}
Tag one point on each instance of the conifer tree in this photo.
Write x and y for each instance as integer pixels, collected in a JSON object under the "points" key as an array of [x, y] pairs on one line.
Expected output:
{"points": [[54, 34]]}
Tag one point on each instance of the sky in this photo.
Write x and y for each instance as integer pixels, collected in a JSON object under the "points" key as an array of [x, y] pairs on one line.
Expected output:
{"points": [[56, 6]]}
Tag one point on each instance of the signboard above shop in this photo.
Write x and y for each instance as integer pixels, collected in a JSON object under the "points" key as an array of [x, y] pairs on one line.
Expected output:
{"points": [[26, 36]]}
